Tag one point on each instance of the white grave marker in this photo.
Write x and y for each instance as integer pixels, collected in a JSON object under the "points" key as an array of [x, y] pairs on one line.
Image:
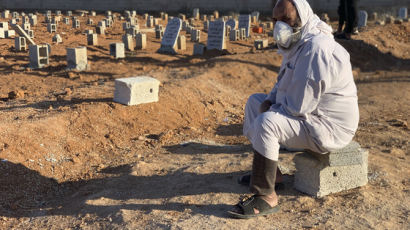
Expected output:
{"points": [[216, 35], [403, 13], [362, 22], [245, 22], [170, 36]]}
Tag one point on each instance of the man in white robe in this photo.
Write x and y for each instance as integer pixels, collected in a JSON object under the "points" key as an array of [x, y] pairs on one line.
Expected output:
{"points": [[312, 106]]}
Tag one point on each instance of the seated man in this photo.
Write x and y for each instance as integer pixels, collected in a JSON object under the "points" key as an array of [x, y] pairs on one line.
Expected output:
{"points": [[312, 106]]}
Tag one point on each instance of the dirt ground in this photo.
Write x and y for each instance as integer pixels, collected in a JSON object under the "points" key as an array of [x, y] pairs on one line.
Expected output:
{"points": [[71, 158]]}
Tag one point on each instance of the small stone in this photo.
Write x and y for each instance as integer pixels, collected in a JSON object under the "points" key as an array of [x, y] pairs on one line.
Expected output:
{"points": [[68, 91], [18, 94], [141, 138]]}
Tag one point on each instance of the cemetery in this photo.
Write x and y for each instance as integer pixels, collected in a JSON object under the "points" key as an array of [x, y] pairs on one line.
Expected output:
{"points": [[132, 119]]}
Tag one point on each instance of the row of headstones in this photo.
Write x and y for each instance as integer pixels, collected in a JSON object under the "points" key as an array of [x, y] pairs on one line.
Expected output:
{"points": [[363, 16]]}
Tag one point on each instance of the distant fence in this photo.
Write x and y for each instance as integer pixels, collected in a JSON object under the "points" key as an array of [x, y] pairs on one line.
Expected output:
{"points": [[264, 6]]}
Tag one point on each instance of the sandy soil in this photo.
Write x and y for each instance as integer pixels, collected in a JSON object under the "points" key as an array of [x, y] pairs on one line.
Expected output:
{"points": [[70, 158]]}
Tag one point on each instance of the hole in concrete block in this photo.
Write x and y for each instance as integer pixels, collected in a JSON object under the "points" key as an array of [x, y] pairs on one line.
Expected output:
{"points": [[43, 51], [334, 174], [43, 61], [151, 90]]}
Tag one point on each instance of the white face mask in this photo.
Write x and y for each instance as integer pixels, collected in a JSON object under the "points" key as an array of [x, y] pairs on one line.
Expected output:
{"points": [[284, 35]]}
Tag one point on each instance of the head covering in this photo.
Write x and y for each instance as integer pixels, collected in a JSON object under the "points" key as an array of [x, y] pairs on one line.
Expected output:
{"points": [[311, 26]]}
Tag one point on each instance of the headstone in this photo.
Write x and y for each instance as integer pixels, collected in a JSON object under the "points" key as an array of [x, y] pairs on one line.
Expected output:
{"points": [[216, 14], [181, 42], [57, 39], [2, 33], [389, 19], [182, 17], [69, 13], [117, 50], [20, 44], [269, 25], [126, 26], [373, 16], [170, 36], [33, 21], [51, 28], [66, 21], [26, 26], [362, 22], [128, 41], [245, 22], [403, 13], [4, 25], [76, 23], [141, 40], [195, 13], [100, 30], [93, 13], [102, 23], [227, 30], [255, 14], [5, 14], [136, 90], [146, 16], [159, 33], [216, 35], [204, 17], [92, 39], [231, 23], [30, 33], [199, 49], [39, 56], [322, 174], [195, 35], [58, 12], [134, 30], [234, 35], [90, 21], [9, 33], [206, 25], [87, 32], [77, 58], [150, 22], [242, 33], [165, 17]]}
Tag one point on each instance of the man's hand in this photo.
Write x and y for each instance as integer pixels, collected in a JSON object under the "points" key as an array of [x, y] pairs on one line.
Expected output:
{"points": [[265, 106]]}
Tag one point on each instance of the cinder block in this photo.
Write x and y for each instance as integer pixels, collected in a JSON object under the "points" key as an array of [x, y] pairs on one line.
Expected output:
{"points": [[10, 33], [318, 179], [77, 58], [92, 39], [117, 50], [181, 43], [141, 40], [38, 55], [57, 39], [261, 44], [136, 90], [128, 41], [20, 43]]}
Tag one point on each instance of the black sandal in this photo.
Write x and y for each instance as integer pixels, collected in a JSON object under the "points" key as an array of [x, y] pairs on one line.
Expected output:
{"points": [[249, 205], [246, 181]]}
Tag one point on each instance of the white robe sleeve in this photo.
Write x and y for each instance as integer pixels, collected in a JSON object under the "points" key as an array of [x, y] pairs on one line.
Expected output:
{"points": [[310, 81]]}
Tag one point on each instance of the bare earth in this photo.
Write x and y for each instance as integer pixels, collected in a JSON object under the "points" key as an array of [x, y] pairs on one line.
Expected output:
{"points": [[70, 158]]}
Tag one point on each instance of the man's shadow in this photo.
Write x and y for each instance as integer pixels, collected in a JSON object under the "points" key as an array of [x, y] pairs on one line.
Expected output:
{"points": [[26, 193]]}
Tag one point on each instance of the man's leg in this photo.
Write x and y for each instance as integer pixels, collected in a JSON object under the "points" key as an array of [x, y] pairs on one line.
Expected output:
{"points": [[252, 110], [268, 131]]}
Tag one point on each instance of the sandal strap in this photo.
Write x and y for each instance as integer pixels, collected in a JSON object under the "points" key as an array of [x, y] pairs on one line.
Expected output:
{"points": [[255, 202]]}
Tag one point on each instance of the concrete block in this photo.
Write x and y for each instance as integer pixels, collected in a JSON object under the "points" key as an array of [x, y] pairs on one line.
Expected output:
{"points": [[38, 55], [199, 49], [100, 30], [316, 179], [195, 35], [66, 21], [352, 154], [4, 25], [76, 23], [20, 44], [136, 90], [2, 33], [181, 43], [128, 41], [261, 44], [26, 26], [92, 39], [77, 58], [51, 28], [57, 38], [234, 35], [117, 50], [141, 41], [10, 33]]}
